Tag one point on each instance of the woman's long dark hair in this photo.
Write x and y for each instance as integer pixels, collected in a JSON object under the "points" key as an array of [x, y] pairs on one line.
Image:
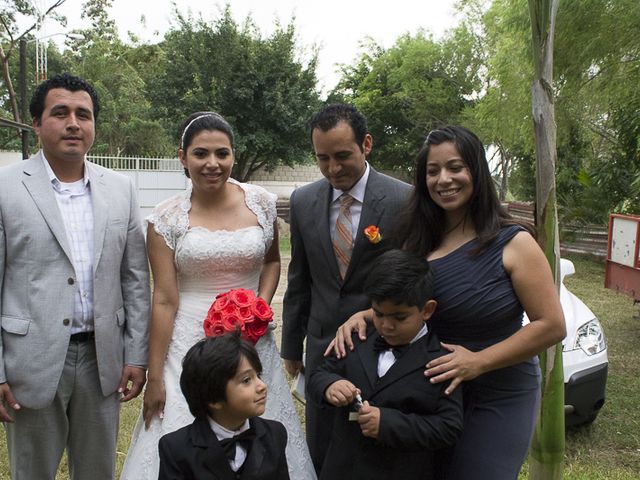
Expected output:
{"points": [[422, 227]]}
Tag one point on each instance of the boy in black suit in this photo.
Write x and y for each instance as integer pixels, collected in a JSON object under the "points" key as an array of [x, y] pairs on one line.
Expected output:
{"points": [[227, 440], [404, 419]]}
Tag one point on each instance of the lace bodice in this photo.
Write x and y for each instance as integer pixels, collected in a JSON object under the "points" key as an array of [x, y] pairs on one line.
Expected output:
{"points": [[170, 218]]}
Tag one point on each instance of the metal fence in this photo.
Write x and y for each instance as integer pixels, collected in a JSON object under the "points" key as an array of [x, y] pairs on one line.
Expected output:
{"points": [[137, 163], [585, 239]]}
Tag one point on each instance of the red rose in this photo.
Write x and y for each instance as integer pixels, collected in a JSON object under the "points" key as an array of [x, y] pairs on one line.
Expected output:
{"points": [[229, 309], [215, 317], [221, 301], [245, 314], [262, 310], [255, 330], [242, 297], [231, 323], [238, 309], [213, 329]]}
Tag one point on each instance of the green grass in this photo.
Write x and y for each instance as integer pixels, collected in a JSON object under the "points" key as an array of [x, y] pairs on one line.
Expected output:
{"points": [[608, 449]]}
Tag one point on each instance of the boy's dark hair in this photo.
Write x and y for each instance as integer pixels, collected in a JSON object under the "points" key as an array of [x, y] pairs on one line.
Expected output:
{"points": [[400, 277], [331, 115], [68, 82], [209, 365]]}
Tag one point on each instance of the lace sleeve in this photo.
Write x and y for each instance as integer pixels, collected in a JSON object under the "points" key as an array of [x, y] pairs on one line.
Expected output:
{"points": [[263, 204], [170, 218]]}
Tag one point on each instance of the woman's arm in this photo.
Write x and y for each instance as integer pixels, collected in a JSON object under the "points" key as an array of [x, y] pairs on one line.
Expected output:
{"points": [[533, 284], [270, 275], [163, 311]]}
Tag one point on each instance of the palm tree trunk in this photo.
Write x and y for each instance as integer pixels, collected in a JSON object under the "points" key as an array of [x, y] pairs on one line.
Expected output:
{"points": [[546, 457]]}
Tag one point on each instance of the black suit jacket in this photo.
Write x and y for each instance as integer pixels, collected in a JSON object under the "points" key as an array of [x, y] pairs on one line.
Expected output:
{"points": [[194, 453], [416, 417], [317, 300]]}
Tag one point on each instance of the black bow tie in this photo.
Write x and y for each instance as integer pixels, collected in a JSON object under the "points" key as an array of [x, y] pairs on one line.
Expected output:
{"points": [[245, 439], [381, 345]]}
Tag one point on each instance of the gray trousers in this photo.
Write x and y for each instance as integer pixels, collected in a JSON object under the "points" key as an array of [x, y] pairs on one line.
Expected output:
{"points": [[80, 418]]}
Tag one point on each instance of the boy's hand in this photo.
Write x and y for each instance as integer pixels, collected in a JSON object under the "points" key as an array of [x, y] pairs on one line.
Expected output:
{"points": [[369, 420], [341, 393]]}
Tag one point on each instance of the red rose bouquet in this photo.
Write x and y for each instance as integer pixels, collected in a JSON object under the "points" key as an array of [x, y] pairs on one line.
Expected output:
{"points": [[238, 309]]}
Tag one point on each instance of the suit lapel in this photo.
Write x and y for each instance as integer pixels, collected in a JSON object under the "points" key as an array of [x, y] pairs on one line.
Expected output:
{"points": [[215, 460], [415, 358], [100, 211], [320, 210], [372, 210], [253, 462], [369, 358], [39, 186]]}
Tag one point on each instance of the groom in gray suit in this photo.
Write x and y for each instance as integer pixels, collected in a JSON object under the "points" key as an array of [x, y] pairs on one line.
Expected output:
{"points": [[330, 253], [74, 294]]}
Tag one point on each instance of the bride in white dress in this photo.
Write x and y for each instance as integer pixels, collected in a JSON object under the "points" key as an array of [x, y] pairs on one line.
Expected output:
{"points": [[217, 235]]}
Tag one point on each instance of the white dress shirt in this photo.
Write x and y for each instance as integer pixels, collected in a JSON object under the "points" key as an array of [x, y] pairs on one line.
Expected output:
{"points": [[386, 358], [223, 433], [76, 208], [357, 192]]}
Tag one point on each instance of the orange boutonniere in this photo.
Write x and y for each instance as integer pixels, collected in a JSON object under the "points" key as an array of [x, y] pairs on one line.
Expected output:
{"points": [[373, 234]]}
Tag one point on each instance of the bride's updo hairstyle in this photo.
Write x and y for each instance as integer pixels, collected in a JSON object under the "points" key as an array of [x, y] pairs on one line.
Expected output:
{"points": [[422, 227], [199, 121]]}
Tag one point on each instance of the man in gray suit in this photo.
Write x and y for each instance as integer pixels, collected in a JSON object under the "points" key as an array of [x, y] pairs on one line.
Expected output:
{"points": [[74, 294], [330, 253]]}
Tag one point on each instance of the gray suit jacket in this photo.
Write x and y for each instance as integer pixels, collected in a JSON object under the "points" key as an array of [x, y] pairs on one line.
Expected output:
{"points": [[37, 281], [317, 301]]}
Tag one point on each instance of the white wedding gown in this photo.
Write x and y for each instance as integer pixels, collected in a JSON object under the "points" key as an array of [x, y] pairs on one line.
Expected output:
{"points": [[210, 262]]}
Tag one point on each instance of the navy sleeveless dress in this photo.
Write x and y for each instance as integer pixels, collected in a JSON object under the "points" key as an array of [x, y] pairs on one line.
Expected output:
{"points": [[477, 307]]}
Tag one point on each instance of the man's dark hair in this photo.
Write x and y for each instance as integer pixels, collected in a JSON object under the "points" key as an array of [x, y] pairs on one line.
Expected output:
{"points": [[68, 82], [331, 115], [400, 277], [209, 365]]}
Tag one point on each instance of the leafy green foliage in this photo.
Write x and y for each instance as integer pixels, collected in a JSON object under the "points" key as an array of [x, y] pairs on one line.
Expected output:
{"points": [[596, 71], [125, 125], [256, 83], [409, 89]]}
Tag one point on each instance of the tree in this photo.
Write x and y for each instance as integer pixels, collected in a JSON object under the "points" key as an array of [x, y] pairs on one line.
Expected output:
{"points": [[257, 83], [10, 36], [595, 94], [409, 89], [125, 125], [547, 450]]}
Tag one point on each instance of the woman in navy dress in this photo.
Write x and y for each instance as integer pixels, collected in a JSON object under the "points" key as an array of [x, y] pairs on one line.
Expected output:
{"points": [[489, 269]]}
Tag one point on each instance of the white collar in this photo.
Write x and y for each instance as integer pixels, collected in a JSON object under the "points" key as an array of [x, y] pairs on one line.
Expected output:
{"points": [[54, 179], [358, 190], [223, 432], [421, 333]]}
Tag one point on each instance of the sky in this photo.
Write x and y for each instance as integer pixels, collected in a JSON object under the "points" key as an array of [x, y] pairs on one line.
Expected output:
{"points": [[336, 26]]}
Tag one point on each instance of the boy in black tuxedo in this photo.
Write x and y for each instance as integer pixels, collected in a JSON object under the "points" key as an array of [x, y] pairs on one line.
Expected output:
{"points": [[404, 419], [227, 440]]}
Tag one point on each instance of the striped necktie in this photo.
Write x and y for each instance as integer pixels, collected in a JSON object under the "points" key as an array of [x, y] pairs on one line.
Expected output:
{"points": [[343, 238]]}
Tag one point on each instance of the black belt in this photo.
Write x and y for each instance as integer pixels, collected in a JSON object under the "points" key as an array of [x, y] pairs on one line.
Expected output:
{"points": [[82, 337]]}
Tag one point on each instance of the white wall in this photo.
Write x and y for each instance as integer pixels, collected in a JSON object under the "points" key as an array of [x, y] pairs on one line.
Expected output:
{"points": [[154, 186], [9, 157]]}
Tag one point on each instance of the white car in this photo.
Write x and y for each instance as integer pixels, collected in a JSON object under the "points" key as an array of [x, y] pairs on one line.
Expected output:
{"points": [[584, 356]]}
